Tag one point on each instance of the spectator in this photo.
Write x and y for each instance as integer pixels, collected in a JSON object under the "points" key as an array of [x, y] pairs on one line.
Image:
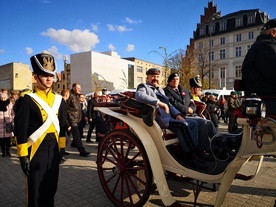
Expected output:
{"points": [[232, 103], [171, 118], [6, 122], [13, 98], [91, 116], [181, 99], [258, 68], [65, 93], [74, 118], [212, 108], [40, 117], [84, 119]]}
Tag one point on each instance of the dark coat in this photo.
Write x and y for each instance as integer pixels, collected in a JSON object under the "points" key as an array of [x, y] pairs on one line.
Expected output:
{"points": [[259, 67], [73, 109], [182, 100]]}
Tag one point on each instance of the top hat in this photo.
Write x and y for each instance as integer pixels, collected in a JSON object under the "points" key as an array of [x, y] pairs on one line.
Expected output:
{"points": [[44, 63], [195, 82]]}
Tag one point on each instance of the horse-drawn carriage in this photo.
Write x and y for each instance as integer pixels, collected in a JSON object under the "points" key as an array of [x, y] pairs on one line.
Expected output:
{"points": [[137, 154]]}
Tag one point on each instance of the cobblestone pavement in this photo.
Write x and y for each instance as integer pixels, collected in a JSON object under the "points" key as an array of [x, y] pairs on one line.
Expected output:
{"points": [[79, 184]]}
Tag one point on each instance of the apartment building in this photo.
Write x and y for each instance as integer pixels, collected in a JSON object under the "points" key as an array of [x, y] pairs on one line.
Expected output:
{"points": [[220, 43], [15, 76], [140, 69]]}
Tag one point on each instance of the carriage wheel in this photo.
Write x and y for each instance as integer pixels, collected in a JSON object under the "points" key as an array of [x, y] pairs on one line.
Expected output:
{"points": [[124, 169]]}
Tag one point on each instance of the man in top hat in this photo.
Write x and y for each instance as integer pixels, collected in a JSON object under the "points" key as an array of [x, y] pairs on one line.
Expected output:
{"points": [[40, 118], [259, 67], [196, 86], [171, 118]]}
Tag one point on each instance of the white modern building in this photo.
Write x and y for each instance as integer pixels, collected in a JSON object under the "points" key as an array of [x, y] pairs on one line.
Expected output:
{"points": [[94, 71]]}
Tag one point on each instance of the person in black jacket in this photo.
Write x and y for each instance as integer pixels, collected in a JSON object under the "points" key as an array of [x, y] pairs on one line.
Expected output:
{"points": [[182, 100], [74, 118], [259, 67]]}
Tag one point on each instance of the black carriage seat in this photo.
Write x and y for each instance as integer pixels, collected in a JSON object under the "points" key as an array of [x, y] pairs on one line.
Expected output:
{"points": [[128, 102], [224, 143]]}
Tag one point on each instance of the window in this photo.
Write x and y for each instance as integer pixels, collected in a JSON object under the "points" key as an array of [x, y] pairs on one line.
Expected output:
{"points": [[238, 71], [251, 19], [200, 58], [238, 51], [222, 26], [212, 28], [251, 35], [16, 75], [139, 69], [248, 47], [222, 41], [139, 80], [222, 54], [238, 37], [238, 21], [222, 73], [200, 45], [202, 31], [212, 55]]}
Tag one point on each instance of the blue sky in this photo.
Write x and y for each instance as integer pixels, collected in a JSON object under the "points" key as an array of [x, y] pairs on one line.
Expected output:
{"points": [[132, 28]]}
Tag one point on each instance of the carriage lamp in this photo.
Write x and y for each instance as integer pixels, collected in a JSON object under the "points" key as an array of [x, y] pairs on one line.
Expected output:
{"points": [[254, 108]]}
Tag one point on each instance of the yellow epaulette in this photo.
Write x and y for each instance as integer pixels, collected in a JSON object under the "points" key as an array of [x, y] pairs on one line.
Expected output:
{"points": [[26, 91]]}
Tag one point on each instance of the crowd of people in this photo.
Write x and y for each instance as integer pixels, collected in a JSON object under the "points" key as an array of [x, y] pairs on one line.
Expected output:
{"points": [[42, 120]]}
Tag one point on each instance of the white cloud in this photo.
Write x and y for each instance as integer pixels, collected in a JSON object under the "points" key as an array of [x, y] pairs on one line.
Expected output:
{"points": [[130, 48], [95, 27], [54, 51], [76, 40], [111, 47], [2, 50], [29, 50], [118, 28], [131, 21]]}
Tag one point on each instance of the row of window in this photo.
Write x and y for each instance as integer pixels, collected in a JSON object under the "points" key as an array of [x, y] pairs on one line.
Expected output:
{"points": [[223, 25], [238, 38], [222, 72]]}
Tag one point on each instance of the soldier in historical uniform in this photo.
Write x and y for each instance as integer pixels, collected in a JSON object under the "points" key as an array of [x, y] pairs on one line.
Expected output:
{"points": [[40, 118]]}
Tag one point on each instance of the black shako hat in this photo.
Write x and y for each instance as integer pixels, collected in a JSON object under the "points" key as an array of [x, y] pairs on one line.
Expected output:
{"points": [[270, 24], [172, 76], [195, 82], [44, 63], [153, 71]]}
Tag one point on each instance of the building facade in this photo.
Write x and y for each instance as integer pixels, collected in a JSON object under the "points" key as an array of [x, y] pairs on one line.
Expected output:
{"points": [[95, 71], [140, 69], [15, 76], [220, 44]]}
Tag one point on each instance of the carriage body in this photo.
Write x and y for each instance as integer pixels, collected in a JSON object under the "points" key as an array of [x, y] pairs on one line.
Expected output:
{"points": [[138, 154]]}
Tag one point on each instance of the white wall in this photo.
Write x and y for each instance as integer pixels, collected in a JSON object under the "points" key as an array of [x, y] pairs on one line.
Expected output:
{"points": [[108, 65]]}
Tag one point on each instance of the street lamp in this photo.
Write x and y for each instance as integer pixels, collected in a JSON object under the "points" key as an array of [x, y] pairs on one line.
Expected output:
{"points": [[214, 17]]}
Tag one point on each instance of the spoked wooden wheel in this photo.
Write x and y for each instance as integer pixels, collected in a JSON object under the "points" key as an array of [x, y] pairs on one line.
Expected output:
{"points": [[124, 169]]}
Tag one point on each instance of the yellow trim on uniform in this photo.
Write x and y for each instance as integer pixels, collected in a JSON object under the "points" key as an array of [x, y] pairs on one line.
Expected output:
{"points": [[22, 150], [62, 142]]}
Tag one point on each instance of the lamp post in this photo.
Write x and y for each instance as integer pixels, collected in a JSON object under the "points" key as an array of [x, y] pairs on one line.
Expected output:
{"points": [[211, 19]]}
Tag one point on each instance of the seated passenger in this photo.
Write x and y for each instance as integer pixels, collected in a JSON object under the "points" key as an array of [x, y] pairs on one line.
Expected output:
{"points": [[181, 99], [151, 94]]}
